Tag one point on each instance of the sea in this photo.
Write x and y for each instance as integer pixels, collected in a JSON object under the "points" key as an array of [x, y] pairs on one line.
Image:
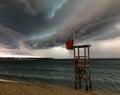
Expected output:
{"points": [[105, 73]]}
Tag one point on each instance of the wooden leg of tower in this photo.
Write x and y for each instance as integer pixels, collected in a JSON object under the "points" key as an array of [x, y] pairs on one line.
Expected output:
{"points": [[86, 83], [90, 85], [75, 84], [75, 79], [90, 80], [87, 80], [80, 78], [80, 84], [86, 86]]}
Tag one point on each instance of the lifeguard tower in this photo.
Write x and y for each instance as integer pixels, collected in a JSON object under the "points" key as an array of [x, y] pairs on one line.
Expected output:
{"points": [[82, 66]]}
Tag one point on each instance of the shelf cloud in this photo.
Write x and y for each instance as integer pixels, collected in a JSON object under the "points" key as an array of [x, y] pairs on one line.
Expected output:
{"points": [[44, 24]]}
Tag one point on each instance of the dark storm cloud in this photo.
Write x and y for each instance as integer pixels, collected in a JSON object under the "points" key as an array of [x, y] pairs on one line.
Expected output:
{"points": [[22, 19], [17, 19], [10, 37], [95, 24], [29, 16], [40, 24]]}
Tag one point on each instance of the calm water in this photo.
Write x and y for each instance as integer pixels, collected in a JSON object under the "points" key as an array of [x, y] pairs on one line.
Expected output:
{"points": [[105, 73]]}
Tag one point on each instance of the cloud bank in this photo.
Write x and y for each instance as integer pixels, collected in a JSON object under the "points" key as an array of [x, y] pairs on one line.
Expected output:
{"points": [[42, 24]]}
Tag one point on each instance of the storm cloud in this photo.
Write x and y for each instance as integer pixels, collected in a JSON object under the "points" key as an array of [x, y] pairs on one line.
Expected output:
{"points": [[44, 24], [97, 23]]}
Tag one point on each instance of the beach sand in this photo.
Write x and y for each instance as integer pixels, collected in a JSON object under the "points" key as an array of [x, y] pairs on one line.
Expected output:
{"points": [[19, 88]]}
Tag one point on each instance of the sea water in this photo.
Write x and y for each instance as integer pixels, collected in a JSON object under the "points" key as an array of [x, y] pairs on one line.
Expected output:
{"points": [[105, 73]]}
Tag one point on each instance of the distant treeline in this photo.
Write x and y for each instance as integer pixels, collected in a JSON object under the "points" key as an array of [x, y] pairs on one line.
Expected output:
{"points": [[14, 58]]}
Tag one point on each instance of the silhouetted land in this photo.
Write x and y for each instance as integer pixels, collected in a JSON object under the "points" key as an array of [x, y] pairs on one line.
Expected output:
{"points": [[14, 58]]}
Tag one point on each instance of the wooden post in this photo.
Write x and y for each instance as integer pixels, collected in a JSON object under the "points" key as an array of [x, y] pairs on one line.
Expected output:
{"points": [[75, 70]]}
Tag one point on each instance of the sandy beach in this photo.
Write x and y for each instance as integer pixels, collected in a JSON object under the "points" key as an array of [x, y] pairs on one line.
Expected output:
{"points": [[19, 88]]}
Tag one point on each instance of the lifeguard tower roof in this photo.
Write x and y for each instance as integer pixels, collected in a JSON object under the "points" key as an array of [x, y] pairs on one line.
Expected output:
{"points": [[81, 46]]}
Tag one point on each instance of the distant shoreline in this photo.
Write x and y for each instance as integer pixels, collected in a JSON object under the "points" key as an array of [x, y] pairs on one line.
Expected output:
{"points": [[28, 58]]}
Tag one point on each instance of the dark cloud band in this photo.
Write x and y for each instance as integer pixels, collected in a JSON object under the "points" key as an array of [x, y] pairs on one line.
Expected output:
{"points": [[41, 24]]}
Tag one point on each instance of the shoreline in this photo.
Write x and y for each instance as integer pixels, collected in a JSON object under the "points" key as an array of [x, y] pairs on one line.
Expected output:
{"points": [[6, 80], [9, 87]]}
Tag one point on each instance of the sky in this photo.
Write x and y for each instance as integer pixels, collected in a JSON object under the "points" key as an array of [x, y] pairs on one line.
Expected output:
{"points": [[40, 28]]}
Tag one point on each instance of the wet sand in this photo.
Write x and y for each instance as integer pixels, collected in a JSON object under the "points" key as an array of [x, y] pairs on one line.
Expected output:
{"points": [[19, 88]]}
